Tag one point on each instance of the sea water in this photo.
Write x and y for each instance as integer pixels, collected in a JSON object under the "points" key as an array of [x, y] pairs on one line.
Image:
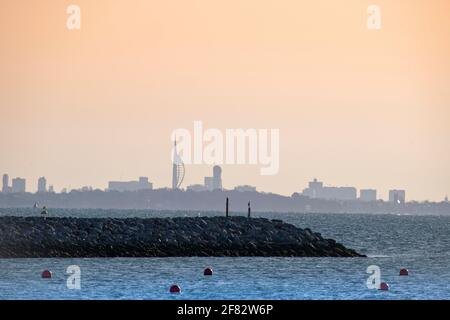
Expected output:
{"points": [[391, 242]]}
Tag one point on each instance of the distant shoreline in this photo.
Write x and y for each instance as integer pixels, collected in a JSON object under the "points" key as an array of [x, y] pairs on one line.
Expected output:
{"points": [[171, 200]]}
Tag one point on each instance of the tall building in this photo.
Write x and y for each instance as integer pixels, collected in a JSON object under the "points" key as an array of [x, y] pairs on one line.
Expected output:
{"points": [[5, 188], [214, 182], [178, 169], [18, 185], [121, 186], [42, 185], [397, 196], [368, 195], [217, 176]]}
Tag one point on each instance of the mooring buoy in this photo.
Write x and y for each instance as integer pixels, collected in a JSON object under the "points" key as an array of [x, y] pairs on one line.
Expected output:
{"points": [[46, 274], [404, 272], [208, 271], [384, 286], [175, 289]]}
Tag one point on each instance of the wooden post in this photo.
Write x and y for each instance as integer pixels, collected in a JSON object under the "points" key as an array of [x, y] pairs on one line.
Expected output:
{"points": [[249, 210], [227, 208]]}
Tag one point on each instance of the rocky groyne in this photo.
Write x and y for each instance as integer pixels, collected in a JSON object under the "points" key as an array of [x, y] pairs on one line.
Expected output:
{"points": [[161, 237]]}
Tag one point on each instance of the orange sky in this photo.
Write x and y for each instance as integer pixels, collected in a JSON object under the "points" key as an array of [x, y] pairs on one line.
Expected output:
{"points": [[354, 107]]}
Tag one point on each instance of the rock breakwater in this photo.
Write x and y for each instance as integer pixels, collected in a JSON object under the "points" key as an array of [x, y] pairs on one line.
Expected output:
{"points": [[161, 237]]}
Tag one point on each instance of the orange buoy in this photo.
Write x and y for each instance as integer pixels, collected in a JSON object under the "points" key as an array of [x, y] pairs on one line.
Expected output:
{"points": [[208, 271], [175, 289], [404, 272], [46, 274], [384, 286]]}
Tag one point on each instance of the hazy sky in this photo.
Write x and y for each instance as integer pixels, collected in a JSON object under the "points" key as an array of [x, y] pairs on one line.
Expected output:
{"points": [[354, 107]]}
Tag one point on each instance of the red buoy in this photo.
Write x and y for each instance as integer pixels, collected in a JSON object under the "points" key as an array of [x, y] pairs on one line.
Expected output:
{"points": [[404, 272], [384, 286], [208, 271], [46, 274], [175, 289]]}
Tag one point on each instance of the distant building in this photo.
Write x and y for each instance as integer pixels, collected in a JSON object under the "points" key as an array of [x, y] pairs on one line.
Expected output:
{"points": [[196, 188], [214, 182], [5, 188], [18, 185], [178, 168], [339, 193], [397, 196], [141, 184], [51, 189], [209, 183], [42, 185], [217, 178], [446, 199], [368, 195], [245, 188], [316, 190]]}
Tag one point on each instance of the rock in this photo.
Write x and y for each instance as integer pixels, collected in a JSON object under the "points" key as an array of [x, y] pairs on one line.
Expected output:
{"points": [[158, 237]]}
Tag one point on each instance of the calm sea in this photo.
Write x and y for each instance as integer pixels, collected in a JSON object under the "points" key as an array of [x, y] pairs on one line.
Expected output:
{"points": [[419, 243]]}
